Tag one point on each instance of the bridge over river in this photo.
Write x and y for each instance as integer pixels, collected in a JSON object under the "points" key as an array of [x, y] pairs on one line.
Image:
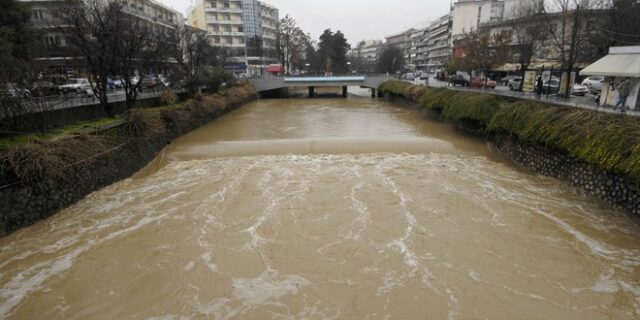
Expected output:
{"points": [[278, 83], [327, 209]]}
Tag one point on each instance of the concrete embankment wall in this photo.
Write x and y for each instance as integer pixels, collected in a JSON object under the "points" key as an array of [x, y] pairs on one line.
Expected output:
{"points": [[70, 169], [592, 151]]}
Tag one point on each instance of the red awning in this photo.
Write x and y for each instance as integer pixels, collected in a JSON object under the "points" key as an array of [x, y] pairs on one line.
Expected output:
{"points": [[275, 68]]}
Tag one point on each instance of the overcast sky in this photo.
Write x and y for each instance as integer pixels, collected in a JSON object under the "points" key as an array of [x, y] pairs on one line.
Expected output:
{"points": [[357, 19]]}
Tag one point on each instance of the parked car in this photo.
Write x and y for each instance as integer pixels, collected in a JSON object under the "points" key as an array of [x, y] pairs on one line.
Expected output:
{"points": [[506, 80], [117, 83], [77, 85], [150, 82], [594, 83], [459, 80], [408, 76], [551, 86], [165, 81], [44, 88], [515, 83], [11, 90], [579, 90], [482, 83]]}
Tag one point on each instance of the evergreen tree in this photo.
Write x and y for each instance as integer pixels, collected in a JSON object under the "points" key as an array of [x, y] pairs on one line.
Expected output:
{"points": [[332, 52], [391, 60]]}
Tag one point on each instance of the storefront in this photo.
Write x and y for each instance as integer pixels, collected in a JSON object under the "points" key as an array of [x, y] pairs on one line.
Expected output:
{"points": [[621, 63]]}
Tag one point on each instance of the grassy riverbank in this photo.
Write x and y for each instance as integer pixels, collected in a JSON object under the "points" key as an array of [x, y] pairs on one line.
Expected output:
{"points": [[30, 158], [609, 141]]}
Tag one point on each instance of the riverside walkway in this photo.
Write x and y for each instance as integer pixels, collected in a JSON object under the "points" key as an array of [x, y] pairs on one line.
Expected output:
{"points": [[586, 102]]}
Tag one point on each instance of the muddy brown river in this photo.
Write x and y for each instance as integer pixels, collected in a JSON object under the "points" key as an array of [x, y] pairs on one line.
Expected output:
{"points": [[326, 209]]}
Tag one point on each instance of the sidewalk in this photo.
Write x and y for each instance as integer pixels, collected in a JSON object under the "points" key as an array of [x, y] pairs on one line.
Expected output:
{"points": [[585, 102]]}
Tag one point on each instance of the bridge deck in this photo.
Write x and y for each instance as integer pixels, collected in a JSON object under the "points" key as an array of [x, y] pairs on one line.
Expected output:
{"points": [[272, 83], [323, 79]]}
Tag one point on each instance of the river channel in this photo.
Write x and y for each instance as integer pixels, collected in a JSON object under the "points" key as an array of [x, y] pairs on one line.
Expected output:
{"points": [[326, 209]]}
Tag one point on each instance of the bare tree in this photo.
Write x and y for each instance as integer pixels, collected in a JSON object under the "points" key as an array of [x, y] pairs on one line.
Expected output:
{"points": [[292, 42], [138, 52], [189, 53], [90, 27], [529, 32], [571, 25], [484, 51]]}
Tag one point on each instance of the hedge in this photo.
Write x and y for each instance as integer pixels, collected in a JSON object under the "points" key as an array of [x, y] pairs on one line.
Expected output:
{"points": [[609, 141]]}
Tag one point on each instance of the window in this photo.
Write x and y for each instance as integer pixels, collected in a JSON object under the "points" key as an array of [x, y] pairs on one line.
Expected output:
{"points": [[216, 28], [240, 29], [229, 40], [226, 5], [216, 39], [227, 28], [226, 17]]}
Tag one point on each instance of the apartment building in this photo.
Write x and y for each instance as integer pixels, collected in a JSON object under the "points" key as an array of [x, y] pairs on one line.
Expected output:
{"points": [[401, 41], [469, 15], [45, 15], [439, 43], [245, 29], [418, 49]]}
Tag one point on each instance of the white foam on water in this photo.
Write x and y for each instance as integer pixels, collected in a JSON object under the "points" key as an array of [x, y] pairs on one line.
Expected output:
{"points": [[606, 284], [206, 258], [14, 291], [268, 288]]}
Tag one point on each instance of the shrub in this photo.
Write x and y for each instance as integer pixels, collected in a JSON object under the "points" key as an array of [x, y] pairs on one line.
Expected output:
{"points": [[436, 99], [49, 159], [609, 141], [414, 92], [143, 123], [394, 87], [168, 96], [473, 108]]}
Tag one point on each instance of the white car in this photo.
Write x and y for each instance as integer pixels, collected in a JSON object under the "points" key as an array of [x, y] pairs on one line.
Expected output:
{"points": [[77, 85], [514, 83], [579, 90], [594, 83]]}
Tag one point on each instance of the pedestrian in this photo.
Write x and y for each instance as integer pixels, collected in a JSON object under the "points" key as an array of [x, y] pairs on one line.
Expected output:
{"points": [[623, 92], [539, 85]]}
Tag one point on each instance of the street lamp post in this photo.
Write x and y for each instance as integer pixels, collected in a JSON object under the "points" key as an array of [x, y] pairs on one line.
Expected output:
{"points": [[349, 67]]}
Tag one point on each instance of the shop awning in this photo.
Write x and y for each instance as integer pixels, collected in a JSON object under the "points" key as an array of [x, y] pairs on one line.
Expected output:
{"points": [[620, 62]]}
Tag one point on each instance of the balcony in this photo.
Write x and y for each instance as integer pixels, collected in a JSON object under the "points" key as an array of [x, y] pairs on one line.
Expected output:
{"points": [[224, 10], [226, 33], [225, 22]]}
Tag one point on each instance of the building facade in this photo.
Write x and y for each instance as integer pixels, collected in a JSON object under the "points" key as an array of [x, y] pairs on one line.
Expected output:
{"points": [[439, 43], [401, 41], [469, 15], [46, 16], [245, 29], [418, 49]]}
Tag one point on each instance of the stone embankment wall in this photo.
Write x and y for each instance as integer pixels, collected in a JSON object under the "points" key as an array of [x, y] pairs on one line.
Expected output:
{"points": [[596, 152], [70, 169], [610, 187]]}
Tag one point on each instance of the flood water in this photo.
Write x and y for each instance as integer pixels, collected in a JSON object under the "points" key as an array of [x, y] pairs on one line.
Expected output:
{"points": [[326, 209]]}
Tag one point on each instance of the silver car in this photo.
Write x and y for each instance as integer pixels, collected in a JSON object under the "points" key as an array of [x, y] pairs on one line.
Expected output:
{"points": [[594, 83]]}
